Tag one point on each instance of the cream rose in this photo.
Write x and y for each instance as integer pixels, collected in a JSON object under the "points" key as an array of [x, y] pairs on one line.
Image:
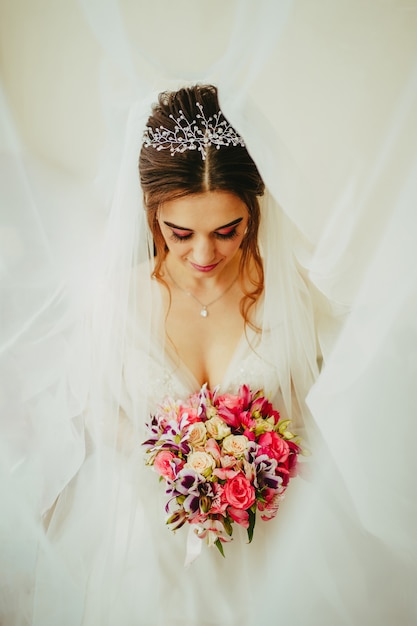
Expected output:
{"points": [[217, 428], [236, 445], [197, 435], [201, 462]]}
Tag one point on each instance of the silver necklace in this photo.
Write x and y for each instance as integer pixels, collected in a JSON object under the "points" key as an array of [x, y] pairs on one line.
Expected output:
{"points": [[204, 307]]}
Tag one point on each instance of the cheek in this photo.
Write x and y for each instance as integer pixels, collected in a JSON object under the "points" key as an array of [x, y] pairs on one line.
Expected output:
{"points": [[230, 248], [174, 247]]}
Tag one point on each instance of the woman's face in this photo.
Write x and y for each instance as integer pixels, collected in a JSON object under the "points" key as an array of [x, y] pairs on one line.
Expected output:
{"points": [[203, 232]]}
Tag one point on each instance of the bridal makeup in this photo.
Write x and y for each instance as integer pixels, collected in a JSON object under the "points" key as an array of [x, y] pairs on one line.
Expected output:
{"points": [[204, 232]]}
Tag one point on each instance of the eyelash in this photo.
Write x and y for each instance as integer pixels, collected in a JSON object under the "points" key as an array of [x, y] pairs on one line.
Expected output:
{"points": [[231, 235]]}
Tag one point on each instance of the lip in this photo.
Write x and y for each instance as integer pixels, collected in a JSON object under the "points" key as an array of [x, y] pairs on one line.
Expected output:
{"points": [[204, 268]]}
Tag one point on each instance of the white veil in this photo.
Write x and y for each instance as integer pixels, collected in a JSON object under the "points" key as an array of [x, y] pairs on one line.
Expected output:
{"points": [[325, 98]]}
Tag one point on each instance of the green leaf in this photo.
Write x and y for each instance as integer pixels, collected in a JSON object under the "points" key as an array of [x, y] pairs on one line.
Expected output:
{"points": [[252, 520], [219, 546], [227, 526]]}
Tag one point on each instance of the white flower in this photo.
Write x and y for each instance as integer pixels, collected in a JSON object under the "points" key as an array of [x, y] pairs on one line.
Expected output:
{"points": [[197, 435], [201, 462], [236, 445], [217, 428]]}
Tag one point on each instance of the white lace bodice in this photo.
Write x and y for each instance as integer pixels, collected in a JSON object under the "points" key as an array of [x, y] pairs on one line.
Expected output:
{"points": [[157, 374]]}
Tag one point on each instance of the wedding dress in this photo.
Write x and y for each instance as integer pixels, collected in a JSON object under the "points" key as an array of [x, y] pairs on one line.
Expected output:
{"points": [[324, 95], [129, 567], [138, 576], [144, 580]]}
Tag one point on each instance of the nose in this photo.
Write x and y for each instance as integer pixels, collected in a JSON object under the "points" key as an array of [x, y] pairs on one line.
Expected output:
{"points": [[204, 251]]}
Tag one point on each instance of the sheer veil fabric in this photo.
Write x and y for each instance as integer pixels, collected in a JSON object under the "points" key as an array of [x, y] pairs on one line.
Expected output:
{"points": [[325, 98]]}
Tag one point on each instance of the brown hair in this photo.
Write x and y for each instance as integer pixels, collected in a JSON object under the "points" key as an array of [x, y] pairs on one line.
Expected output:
{"points": [[164, 177]]}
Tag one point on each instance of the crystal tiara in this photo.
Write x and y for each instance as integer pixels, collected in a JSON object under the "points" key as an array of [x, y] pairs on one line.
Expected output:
{"points": [[195, 135]]}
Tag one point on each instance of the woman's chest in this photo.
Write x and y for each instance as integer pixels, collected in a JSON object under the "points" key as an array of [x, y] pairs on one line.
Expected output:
{"points": [[205, 344]]}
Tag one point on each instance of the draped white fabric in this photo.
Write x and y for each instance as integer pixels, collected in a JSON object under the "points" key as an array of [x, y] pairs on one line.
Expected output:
{"points": [[325, 96]]}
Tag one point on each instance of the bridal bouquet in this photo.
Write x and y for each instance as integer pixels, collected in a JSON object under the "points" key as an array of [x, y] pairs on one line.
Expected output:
{"points": [[224, 458]]}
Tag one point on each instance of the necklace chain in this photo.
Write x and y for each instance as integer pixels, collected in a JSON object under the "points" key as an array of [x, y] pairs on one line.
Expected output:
{"points": [[204, 307]]}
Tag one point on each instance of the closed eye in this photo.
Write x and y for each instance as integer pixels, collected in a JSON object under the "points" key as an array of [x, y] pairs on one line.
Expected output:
{"points": [[177, 237], [230, 234]]}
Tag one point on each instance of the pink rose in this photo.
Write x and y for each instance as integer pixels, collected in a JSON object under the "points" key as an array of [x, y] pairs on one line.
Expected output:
{"points": [[239, 516], [239, 492], [275, 447], [163, 464]]}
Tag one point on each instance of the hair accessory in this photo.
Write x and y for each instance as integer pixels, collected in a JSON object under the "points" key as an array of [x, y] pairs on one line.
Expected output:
{"points": [[195, 135]]}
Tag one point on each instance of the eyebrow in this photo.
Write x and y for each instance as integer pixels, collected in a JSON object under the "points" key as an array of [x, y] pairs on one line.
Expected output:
{"points": [[234, 223]]}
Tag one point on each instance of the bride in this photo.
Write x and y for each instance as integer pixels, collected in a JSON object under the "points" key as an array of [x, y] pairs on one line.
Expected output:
{"points": [[208, 307], [201, 192]]}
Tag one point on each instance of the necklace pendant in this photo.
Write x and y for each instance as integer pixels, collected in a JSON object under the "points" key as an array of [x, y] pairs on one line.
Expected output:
{"points": [[204, 312]]}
